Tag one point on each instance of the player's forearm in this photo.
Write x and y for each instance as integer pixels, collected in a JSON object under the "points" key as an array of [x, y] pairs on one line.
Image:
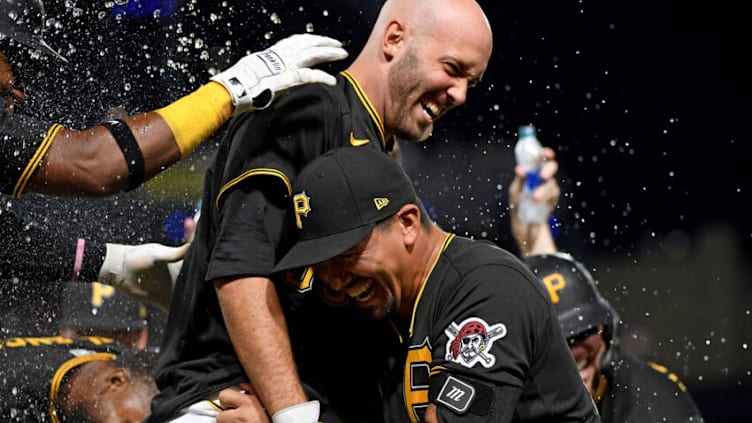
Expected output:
{"points": [[94, 162], [257, 327]]}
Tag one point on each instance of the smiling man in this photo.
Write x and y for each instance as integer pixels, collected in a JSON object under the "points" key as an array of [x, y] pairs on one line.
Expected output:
{"points": [[230, 323], [481, 340]]}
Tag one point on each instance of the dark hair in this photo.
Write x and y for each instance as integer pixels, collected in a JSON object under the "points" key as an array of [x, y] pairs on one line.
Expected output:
{"points": [[425, 220]]}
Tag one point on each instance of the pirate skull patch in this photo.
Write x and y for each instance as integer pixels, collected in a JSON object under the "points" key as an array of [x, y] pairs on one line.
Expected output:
{"points": [[470, 341]]}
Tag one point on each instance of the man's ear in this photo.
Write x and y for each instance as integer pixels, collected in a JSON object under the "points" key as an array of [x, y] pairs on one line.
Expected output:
{"points": [[118, 379], [409, 220], [394, 38]]}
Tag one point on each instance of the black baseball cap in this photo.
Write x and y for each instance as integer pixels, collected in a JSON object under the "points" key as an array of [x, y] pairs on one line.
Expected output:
{"points": [[339, 198], [94, 307]]}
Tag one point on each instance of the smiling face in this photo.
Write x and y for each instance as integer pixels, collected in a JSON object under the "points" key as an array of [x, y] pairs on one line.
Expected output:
{"points": [[433, 68], [588, 349], [364, 273]]}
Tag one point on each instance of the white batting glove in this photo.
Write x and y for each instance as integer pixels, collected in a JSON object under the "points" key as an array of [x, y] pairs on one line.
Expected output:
{"points": [[257, 79], [145, 272]]}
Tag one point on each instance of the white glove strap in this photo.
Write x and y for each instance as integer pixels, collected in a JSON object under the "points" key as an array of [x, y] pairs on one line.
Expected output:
{"points": [[307, 412], [113, 264], [243, 79]]}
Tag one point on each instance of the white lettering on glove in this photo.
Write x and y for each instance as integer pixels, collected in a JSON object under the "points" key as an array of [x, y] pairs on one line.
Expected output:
{"points": [[257, 79]]}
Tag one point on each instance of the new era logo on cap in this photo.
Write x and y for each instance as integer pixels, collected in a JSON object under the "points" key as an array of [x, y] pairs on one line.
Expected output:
{"points": [[380, 202]]}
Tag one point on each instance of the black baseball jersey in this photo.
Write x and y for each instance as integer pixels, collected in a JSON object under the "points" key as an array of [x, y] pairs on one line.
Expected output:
{"points": [[636, 391], [24, 143], [246, 226], [33, 370], [484, 345]]}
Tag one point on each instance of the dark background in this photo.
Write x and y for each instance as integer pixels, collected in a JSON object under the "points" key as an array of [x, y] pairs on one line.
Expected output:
{"points": [[646, 104]]}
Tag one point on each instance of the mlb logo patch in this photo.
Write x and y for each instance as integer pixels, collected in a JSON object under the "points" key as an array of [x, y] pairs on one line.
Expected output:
{"points": [[456, 395]]}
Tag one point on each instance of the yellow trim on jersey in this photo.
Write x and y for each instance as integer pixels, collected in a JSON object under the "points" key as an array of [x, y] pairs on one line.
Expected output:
{"points": [[444, 246], [254, 172], [57, 379], [367, 104], [18, 190], [600, 389], [671, 376]]}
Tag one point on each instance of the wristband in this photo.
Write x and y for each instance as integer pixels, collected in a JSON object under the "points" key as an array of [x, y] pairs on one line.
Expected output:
{"points": [[134, 158], [79, 260], [193, 118], [306, 412]]}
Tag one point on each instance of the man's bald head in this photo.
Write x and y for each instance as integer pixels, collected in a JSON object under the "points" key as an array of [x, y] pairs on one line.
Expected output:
{"points": [[420, 59]]}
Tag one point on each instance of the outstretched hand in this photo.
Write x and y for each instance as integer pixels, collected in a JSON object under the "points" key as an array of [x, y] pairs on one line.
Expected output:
{"points": [[144, 272]]}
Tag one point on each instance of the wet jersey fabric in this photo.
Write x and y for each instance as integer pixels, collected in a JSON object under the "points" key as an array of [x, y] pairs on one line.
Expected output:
{"points": [[643, 392], [484, 345], [246, 225], [33, 370], [23, 143]]}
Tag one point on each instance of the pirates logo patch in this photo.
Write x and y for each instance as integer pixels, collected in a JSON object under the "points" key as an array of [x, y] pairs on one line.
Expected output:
{"points": [[470, 342]]}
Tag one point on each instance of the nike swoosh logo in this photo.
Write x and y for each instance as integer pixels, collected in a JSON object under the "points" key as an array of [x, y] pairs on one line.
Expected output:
{"points": [[355, 142]]}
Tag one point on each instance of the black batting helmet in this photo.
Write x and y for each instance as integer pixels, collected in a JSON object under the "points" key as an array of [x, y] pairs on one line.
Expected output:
{"points": [[23, 21], [572, 289]]}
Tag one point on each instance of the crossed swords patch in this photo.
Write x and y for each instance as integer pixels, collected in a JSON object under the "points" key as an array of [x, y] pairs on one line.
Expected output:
{"points": [[470, 341]]}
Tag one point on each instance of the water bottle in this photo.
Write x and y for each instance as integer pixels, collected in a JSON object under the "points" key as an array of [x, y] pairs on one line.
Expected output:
{"points": [[529, 154]]}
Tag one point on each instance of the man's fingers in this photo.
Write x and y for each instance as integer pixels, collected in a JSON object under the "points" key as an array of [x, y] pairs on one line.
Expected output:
{"points": [[316, 76], [240, 407], [316, 55], [547, 192], [171, 254], [303, 50], [303, 41], [549, 169]]}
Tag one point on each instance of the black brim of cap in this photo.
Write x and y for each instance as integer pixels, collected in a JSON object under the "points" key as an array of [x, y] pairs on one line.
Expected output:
{"points": [[581, 319], [312, 251]]}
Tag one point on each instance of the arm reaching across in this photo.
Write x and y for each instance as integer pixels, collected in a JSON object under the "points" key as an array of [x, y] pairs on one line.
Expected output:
{"points": [[145, 272], [121, 154]]}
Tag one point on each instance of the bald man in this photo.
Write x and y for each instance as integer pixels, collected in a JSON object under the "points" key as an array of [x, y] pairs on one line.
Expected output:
{"points": [[230, 323]]}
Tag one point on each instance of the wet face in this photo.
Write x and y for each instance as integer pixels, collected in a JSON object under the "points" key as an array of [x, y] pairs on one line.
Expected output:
{"points": [[105, 393], [119, 409], [11, 94], [588, 349], [365, 273], [431, 76]]}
